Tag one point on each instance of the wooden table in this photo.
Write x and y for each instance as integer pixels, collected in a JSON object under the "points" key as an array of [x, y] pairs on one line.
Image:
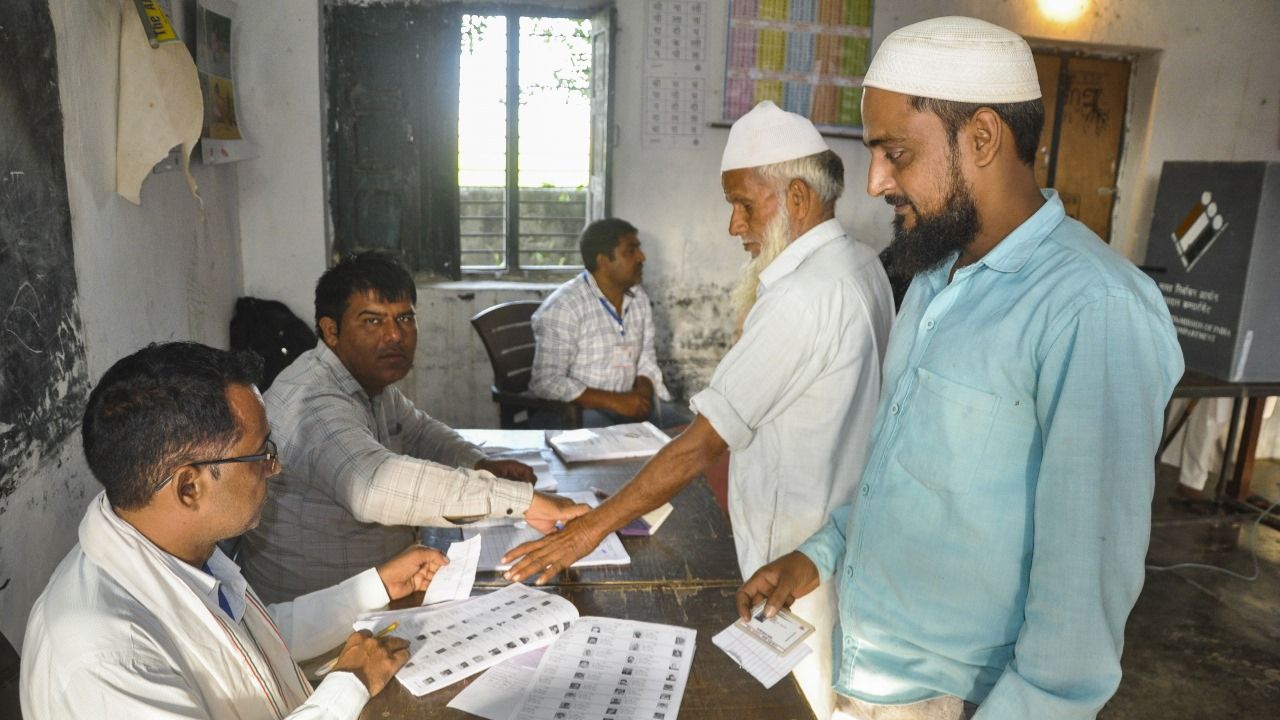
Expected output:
{"points": [[685, 575], [1247, 398]]}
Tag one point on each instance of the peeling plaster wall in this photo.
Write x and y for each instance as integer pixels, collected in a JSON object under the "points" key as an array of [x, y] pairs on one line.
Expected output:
{"points": [[162, 271], [1205, 87], [451, 372]]}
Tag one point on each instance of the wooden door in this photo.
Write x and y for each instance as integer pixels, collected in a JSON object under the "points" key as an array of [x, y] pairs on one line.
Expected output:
{"points": [[1085, 101]]}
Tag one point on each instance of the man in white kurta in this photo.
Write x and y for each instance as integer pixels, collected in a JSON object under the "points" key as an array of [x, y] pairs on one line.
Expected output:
{"points": [[125, 629], [145, 617], [795, 397]]}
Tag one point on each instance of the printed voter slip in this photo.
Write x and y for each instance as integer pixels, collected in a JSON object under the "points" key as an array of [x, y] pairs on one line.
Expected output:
{"points": [[768, 649], [781, 633]]}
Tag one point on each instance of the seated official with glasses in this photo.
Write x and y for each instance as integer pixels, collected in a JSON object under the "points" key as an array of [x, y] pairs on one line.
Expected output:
{"points": [[146, 617]]}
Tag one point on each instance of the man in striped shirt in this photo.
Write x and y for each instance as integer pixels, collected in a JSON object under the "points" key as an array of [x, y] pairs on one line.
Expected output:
{"points": [[595, 337]]}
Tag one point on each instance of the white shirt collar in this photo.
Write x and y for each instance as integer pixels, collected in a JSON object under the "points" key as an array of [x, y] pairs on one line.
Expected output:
{"points": [[222, 573], [799, 249]]}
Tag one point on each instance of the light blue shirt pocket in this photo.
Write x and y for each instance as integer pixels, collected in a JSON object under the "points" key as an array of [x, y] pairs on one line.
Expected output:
{"points": [[942, 408]]}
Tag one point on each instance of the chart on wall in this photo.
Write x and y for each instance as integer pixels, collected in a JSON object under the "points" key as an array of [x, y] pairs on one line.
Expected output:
{"points": [[807, 56], [675, 80], [43, 381]]}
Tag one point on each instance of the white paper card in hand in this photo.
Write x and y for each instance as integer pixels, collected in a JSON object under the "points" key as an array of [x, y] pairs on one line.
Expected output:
{"points": [[455, 580], [781, 632], [756, 658]]}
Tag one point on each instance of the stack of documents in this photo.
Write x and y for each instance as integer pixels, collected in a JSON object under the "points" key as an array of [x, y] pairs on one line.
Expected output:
{"points": [[600, 668], [618, 442], [452, 641], [594, 667]]}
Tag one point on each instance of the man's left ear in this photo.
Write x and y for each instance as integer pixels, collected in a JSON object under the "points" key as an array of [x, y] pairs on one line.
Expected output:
{"points": [[985, 134], [797, 195]]}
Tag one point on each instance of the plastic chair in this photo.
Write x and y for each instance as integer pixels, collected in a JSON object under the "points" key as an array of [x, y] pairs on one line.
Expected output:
{"points": [[507, 333]]}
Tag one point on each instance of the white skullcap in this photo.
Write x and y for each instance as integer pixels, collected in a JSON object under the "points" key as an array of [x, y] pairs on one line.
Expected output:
{"points": [[955, 58], [767, 135]]}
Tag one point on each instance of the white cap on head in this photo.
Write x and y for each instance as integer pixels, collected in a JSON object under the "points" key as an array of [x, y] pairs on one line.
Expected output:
{"points": [[767, 135], [955, 58]]}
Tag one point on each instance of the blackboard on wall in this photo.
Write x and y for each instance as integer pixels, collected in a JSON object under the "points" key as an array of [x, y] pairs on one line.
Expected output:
{"points": [[43, 381]]}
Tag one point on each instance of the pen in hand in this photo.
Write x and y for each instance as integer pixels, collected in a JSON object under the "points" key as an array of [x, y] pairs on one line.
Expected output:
{"points": [[327, 667]]}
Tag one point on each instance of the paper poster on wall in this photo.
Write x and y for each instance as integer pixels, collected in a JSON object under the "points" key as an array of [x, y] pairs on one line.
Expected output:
{"points": [[675, 79], [807, 56], [221, 139]]}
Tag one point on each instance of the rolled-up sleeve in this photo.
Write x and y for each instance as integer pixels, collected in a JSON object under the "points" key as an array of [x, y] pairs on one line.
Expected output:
{"points": [[771, 365], [1104, 382], [555, 332], [826, 548]]}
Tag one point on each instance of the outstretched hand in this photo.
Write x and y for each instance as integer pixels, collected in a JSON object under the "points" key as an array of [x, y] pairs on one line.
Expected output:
{"points": [[547, 512], [778, 584], [410, 571], [551, 554]]}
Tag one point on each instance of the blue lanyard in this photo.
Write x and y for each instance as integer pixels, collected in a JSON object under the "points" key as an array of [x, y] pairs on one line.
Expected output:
{"points": [[622, 327]]}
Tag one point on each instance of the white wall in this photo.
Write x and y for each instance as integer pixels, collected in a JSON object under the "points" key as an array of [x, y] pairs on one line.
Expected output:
{"points": [[1210, 87], [162, 271], [283, 209]]}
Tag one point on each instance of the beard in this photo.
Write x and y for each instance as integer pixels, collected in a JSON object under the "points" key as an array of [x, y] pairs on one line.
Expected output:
{"points": [[774, 239], [935, 237]]}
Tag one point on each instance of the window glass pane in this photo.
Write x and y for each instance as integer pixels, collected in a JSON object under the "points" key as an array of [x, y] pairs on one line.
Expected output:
{"points": [[482, 145], [555, 135]]}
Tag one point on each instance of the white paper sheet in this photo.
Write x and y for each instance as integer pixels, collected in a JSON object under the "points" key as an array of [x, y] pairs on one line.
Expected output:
{"points": [[455, 640], [500, 688], [498, 539], [757, 658], [611, 668], [455, 580], [632, 440]]}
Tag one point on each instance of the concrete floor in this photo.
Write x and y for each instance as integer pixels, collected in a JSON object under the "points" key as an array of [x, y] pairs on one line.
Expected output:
{"points": [[1201, 644]]}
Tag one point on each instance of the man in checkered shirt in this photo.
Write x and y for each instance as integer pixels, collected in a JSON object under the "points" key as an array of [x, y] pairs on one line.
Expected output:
{"points": [[595, 337], [362, 467]]}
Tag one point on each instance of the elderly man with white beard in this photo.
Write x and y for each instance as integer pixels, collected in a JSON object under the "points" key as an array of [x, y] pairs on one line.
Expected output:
{"points": [[795, 397]]}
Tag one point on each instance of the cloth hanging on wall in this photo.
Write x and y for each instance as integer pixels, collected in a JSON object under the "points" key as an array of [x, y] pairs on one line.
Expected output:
{"points": [[160, 105]]}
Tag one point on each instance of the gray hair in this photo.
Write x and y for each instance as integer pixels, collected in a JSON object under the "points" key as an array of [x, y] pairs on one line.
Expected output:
{"points": [[823, 172]]}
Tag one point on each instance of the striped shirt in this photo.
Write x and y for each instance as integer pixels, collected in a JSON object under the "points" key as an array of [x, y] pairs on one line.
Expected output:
{"points": [[583, 343], [359, 474]]}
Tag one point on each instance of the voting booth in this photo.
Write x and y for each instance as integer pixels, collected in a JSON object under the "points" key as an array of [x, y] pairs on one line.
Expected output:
{"points": [[1214, 250]]}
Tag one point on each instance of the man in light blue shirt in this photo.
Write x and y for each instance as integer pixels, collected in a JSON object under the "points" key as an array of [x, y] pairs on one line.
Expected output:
{"points": [[987, 562]]}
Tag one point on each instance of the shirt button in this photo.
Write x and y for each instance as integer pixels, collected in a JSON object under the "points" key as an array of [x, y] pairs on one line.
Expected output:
{"points": [[865, 489], [848, 571], [929, 325], [510, 511], [893, 409]]}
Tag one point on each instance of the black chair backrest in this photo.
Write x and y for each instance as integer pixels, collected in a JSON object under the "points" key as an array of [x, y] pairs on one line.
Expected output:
{"points": [[507, 333], [270, 329]]}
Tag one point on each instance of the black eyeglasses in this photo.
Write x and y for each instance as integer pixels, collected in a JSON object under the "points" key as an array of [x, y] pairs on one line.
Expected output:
{"points": [[271, 456]]}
